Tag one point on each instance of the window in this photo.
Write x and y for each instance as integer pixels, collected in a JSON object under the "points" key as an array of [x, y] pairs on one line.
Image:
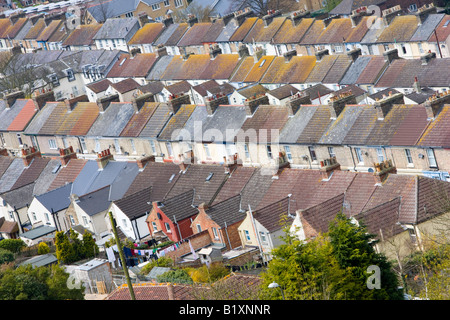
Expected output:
{"points": [[153, 146], [70, 75], [47, 218], [247, 152], [19, 138], [97, 145], [133, 146], [169, 149], [85, 221], [287, 149], [312, 153], [262, 235], [380, 155], [403, 48], [33, 214], [247, 235], [155, 228], [166, 3], [167, 227], [408, 156], [52, 144], [124, 222], [269, 152], [155, 6], [83, 145], [2, 139], [72, 220], [117, 146], [216, 235], [412, 7], [431, 158], [208, 153], [199, 227], [129, 15], [178, 3], [359, 155], [331, 152], [338, 48]]}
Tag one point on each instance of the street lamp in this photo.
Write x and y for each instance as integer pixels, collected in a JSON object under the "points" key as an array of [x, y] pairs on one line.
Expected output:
{"points": [[276, 285]]}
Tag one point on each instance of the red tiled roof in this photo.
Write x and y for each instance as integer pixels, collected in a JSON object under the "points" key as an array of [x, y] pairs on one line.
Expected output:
{"points": [[438, 131], [82, 36], [68, 173], [79, 120], [139, 120], [147, 34], [137, 66], [24, 117], [150, 291]]}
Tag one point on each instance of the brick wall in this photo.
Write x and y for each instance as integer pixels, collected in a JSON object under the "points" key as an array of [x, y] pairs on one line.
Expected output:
{"points": [[198, 240]]}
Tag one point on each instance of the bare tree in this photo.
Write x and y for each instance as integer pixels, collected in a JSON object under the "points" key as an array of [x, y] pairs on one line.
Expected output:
{"points": [[202, 13]]}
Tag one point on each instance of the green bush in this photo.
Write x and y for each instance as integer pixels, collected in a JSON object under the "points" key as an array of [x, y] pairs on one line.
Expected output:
{"points": [[43, 248], [175, 276], [6, 256], [13, 245], [161, 262]]}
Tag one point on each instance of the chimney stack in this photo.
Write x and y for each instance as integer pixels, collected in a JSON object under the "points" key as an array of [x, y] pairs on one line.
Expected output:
{"points": [[11, 98], [143, 18], [232, 163], [227, 18], [390, 55], [423, 12], [390, 13], [384, 105], [213, 102], [416, 86], [161, 51], [191, 20], [28, 154], [134, 52], [258, 54], [295, 102], [338, 103], [321, 53], [168, 20], [241, 15], [354, 54], [4, 152], [186, 160], [214, 50], [176, 101], [103, 158], [289, 54], [243, 51], [282, 163], [252, 104], [427, 57], [71, 103], [382, 170], [142, 162], [170, 291], [40, 99], [104, 102], [66, 154], [297, 16], [434, 103], [328, 166], [140, 100], [268, 18]]}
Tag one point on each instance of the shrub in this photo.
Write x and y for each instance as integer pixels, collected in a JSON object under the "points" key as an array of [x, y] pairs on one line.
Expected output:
{"points": [[43, 248], [6, 256], [13, 245], [176, 276], [161, 262]]}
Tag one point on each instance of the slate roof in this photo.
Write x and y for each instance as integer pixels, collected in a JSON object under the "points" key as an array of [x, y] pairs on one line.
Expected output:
{"points": [[95, 202], [442, 30], [426, 29], [235, 184], [358, 133], [68, 173], [40, 260], [243, 30], [112, 121], [226, 119], [195, 34], [272, 215], [338, 70], [30, 173], [314, 91], [147, 34], [82, 35], [255, 189], [19, 197], [346, 7], [227, 212], [337, 131], [283, 91], [38, 232], [4, 164], [17, 116], [172, 34], [99, 86], [177, 122], [227, 31], [372, 71], [322, 68], [35, 30], [103, 10], [117, 28], [355, 70], [57, 199], [159, 67]]}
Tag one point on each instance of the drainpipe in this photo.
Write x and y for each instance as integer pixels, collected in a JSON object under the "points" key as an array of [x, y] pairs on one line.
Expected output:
{"points": [[228, 237], [256, 233], [178, 227]]}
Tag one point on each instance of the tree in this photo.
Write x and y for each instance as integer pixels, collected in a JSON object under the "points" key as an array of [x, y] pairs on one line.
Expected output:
{"points": [[202, 13], [90, 248], [64, 250], [40, 283]]}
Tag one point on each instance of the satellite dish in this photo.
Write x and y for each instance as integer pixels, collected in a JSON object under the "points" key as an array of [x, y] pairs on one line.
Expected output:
{"points": [[370, 170]]}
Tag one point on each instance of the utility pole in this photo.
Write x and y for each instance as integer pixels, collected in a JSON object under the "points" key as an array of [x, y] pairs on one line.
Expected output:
{"points": [[122, 258]]}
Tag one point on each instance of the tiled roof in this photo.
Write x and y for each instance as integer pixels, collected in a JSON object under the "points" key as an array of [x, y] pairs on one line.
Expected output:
{"points": [[401, 29], [14, 29], [68, 173], [316, 126], [294, 71], [180, 206], [243, 30], [172, 34], [53, 121], [260, 33], [11, 174], [126, 85], [177, 121], [438, 131], [411, 128], [180, 69], [321, 68], [271, 216], [313, 33], [147, 34], [4, 164], [426, 29], [318, 217], [283, 91], [337, 131], [358, 33], [152, 291], [31, 173], [99, 86], [336, 32], [338, 70], [195, 177], [139, 120], [157, 175], [227, 119], [442, 30], [135, 205], [36, 30], [213, 32], [372, 70], [227, 212], [23, 117], [117, 28], [289, 33], [220, 68], [157, 122], [79, 120], [49, 30], [82, 35], [362, 127], [259, 69], [137, 66], [235, 184], [5, 23], [242, 69], [355, 70], [195, 34]]}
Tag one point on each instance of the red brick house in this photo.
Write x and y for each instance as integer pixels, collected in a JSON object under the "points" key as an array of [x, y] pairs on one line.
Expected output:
{"points": [[221, 221]]}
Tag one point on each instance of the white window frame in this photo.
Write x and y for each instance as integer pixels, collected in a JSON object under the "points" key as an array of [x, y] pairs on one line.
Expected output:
{"points": [[85, 221], [215, 233], [380, 154], [155, 227], [431, 158], [166, 3], [207, 151], [287, 150], [359, 155], [72, 220], [247, 235], [409, 158], [167, 226], [52, 144], [178, 3], [156, 6], [263, 237]]}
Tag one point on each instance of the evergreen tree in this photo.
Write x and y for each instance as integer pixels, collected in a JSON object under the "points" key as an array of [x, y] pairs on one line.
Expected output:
{"points": [[90, 248], [64, 250]]}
